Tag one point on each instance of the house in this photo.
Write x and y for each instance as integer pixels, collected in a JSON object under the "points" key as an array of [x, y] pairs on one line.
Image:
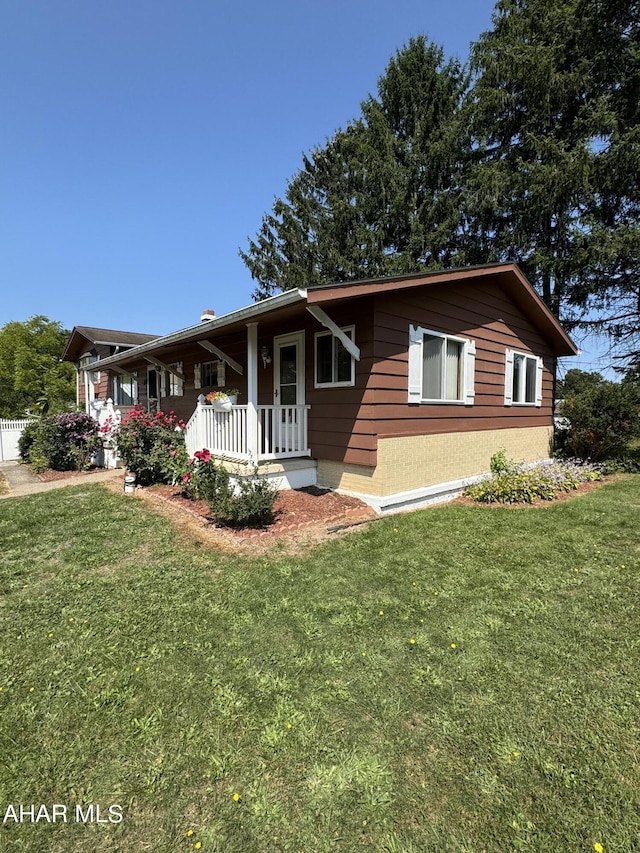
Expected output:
{"points": [[94, 386], [397, 390]]}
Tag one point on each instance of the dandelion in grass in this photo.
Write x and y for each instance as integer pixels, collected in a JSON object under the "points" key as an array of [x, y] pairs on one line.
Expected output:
{"points": [[598, 847], [50, 634], [189, 833], [236, 797], [71, 619], [31, 689], [137, 669], [289, 726], [198, 845], [381, 613], [412, 641], [453, 646]]}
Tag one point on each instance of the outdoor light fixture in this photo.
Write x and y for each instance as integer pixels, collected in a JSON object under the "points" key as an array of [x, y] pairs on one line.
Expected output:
{"points": [[266, 356]]}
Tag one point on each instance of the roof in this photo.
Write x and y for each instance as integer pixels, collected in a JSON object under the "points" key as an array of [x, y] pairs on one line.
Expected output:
{"points": [[81, 335], [508, 275]]}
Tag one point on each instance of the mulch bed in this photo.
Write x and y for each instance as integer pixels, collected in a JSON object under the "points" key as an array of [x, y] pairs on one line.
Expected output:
{"points": [[295, 510]]}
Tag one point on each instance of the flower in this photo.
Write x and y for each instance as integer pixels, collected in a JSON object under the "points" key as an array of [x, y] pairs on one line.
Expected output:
{"points": [[453, 646], [186, 477], [412, 641], [598, 847], [381, 613], [198, 845], [189, 833], [236, 797]]}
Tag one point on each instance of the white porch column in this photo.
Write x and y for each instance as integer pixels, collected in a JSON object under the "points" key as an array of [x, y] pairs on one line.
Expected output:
{"points": [[252, 391]]}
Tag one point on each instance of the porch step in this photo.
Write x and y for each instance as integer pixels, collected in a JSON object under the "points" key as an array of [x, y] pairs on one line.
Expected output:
{"points": [[285, 474]]}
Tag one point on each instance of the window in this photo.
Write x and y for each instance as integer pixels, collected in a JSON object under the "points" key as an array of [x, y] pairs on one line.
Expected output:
{"points": [[209, 374], [172, 384], [125, 390], [441, 368], [335, 366], [523, 379]]}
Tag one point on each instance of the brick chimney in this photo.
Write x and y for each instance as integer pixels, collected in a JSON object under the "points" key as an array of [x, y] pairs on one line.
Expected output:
{"points": [[207, 314]]}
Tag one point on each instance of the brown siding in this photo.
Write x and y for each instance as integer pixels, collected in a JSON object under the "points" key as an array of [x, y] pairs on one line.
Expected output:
{"points": [[483, 314]]}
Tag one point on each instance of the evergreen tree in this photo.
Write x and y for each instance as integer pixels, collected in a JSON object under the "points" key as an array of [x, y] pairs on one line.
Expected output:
{"points": [[553, 180], [382, 195]]}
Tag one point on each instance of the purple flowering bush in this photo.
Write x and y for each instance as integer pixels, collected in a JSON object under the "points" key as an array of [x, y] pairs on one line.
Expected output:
{"points": [[521, 483], [63, 442]]}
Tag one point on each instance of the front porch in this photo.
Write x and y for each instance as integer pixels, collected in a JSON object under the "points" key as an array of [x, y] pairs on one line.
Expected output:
{"points": [[250, 433]]}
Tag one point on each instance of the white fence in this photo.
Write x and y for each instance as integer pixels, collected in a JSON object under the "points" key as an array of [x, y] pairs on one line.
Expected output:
{"points": [[281, 432], [10, 432]]}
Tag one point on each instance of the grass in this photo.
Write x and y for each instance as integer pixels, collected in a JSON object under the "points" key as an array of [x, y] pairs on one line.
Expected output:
{"points": [[460, 679]]}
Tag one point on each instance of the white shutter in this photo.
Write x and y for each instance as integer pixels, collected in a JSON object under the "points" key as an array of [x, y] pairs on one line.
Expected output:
{"points": [[539, 373], [415, 365], [469, 372], [197, 374], [508, 378]]}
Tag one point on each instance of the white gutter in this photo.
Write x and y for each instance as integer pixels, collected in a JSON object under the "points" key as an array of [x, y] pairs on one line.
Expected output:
{"points": [[202, 329]]}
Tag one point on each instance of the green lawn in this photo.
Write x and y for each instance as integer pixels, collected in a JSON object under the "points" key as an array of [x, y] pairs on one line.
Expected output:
{"points": [[459, 679]]}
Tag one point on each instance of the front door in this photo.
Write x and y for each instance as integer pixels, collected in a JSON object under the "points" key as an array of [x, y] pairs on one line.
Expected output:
{"points": [[288, 391]]}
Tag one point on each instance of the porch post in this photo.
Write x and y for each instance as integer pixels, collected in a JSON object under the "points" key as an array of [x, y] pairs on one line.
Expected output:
{"points": [[252, 391]]}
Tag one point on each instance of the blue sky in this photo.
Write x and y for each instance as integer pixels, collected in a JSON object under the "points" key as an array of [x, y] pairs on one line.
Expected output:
{"points": [[143, 140]]}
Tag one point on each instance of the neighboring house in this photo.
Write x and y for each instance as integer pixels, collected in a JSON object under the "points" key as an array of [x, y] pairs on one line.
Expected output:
{"points": [[397, 390], [86, 348]]}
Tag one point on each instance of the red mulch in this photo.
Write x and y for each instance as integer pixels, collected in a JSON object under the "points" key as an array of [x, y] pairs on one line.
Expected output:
{"points": [[295, 510]]}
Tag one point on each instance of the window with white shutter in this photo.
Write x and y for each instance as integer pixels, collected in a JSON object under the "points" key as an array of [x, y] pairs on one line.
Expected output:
{"points": [[441, 367]]}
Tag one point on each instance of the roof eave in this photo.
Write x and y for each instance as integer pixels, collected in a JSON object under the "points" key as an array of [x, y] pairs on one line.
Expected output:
{"points": [[208, 327]]}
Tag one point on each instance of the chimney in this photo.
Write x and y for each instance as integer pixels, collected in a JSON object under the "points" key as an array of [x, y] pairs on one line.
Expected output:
{"points": [[207, 314]]}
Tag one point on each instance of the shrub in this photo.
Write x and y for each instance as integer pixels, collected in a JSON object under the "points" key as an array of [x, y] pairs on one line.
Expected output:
{"points": [[206, 479], [601, 422], [524, 484], [152, 446], [248, 504], [26, 440], [62, 442], [251, 506]]}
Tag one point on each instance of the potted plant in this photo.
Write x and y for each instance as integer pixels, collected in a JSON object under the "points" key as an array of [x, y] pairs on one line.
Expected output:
{"points": [[223, 399]]}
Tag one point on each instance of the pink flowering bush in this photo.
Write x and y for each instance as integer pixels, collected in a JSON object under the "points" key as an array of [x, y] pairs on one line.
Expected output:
{"points": [[205, 479], [152, 446]]}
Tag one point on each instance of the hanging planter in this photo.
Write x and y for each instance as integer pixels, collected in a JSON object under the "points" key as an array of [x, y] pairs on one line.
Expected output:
{"points": [[222, 401]]}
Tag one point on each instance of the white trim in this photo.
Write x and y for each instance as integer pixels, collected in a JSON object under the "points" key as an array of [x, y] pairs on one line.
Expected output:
{"points": [[284, 340], [194, 333], [510, 357], [337, 332], [348, 383], [252, 391], [416, 498], [416, 368], [222, 356]]}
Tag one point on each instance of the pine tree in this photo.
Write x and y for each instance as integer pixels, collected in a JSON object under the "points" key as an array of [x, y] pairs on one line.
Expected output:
{"points": [[379, 197]]}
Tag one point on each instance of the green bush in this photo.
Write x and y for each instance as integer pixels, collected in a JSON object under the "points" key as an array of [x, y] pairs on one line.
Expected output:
{"points": [[26, 440], [602, 420], [63, 442], [525, 484], [152, 446], [249, 504], [206, 479]]}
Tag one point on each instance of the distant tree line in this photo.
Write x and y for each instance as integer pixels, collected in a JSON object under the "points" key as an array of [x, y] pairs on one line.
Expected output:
{"points": [[530, 153]]}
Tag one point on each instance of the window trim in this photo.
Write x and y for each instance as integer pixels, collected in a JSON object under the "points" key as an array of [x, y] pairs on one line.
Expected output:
{"points": [[510, 356], [416, 368], [324, 334]]}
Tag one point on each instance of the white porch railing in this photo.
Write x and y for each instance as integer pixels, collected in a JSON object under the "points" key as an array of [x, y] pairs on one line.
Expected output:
{"points": [[282, 432]]}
